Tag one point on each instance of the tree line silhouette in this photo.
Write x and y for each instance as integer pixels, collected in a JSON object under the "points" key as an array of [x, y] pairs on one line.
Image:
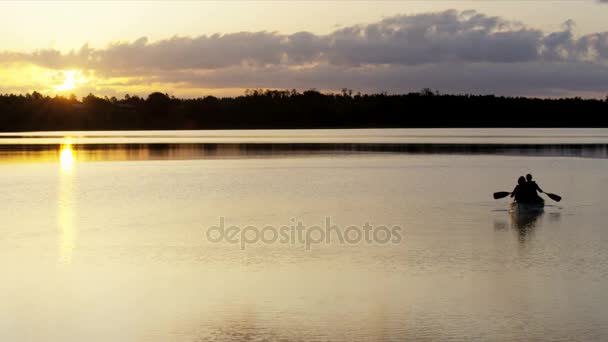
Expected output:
{"points": [[259, 108]]}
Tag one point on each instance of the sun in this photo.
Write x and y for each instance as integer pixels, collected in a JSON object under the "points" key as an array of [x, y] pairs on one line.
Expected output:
{"points": [[70, 81]]}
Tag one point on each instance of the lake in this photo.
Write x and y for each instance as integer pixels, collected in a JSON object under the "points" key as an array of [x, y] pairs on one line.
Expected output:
{"points": [[115, 236]]}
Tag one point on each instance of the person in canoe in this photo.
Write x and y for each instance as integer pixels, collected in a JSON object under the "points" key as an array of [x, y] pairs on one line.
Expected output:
{"points": [[527, 192], [520, 193], [532, 188]]}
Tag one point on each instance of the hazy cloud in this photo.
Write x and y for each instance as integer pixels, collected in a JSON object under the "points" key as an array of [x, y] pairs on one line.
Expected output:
{"points": [[535, 78], [448, 36]]}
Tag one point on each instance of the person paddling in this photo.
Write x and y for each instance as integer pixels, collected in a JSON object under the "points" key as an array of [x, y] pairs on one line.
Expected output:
{"points": [[532, 188], [520, 192], [526, 192]]}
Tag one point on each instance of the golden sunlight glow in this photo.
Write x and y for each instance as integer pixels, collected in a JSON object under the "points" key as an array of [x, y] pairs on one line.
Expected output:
{"points": [[65, 210], [66, 156], [70, 81], [65, 218]]}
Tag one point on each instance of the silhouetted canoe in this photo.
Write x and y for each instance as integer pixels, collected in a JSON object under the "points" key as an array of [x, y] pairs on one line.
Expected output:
{"points": [[518, 207]]}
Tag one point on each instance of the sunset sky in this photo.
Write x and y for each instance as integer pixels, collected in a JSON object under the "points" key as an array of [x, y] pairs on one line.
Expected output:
{"points": [[192, 49]]}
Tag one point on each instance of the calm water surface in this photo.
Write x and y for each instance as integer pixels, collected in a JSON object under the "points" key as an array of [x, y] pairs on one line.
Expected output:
{"points": [[109, 243]]}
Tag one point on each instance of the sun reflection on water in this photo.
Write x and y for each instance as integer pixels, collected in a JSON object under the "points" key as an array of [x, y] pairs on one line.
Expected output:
{"points": [[66, 156], [65, 210]]}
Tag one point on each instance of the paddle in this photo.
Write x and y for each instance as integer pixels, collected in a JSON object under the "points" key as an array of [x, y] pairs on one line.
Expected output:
{"points": [[554, 197], [503, 194]]}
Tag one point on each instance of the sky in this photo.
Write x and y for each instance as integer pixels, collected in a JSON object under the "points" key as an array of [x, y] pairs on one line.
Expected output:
{"points": [[196, 48]]}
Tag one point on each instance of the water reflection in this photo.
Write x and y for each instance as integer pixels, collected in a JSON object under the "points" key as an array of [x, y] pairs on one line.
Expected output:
{"points": [[165, 151], [66, 156], [525, 222], [65, 210]]}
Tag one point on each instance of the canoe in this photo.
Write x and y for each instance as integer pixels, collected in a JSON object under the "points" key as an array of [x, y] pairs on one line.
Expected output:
{"points": [[518, 207]]}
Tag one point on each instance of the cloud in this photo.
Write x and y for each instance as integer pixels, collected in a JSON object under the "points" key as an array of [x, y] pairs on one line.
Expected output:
{"points": [[450, 50], [448, 36], [537, 78]]}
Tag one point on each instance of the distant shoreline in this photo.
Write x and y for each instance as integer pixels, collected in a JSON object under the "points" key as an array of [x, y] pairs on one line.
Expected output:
{"points": [[271, 109]]}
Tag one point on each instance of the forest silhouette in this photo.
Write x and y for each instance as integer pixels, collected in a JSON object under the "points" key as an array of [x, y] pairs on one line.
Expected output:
{"points": [[258, 109]]}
